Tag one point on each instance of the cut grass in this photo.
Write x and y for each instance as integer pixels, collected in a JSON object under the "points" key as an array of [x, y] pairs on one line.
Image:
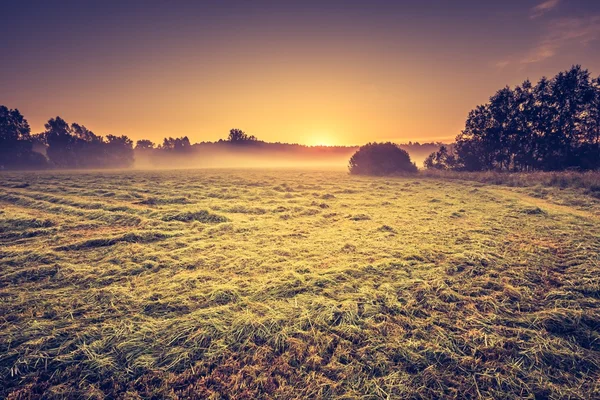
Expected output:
{"points": [[131, 237], [486, 292], [190, 216]]}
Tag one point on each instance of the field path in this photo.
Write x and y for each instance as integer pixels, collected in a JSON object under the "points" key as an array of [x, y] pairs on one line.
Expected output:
{"points": [[544, 204]]}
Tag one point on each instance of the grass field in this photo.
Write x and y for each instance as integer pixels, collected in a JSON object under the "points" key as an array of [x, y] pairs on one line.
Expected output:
{"points": [[297, 284]]}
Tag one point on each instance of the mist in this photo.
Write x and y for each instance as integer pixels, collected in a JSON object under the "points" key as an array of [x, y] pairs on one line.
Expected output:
{"points": [[220, 155]]}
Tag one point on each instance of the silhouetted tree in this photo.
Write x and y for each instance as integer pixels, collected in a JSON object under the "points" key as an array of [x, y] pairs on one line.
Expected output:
{"points": [[89, 149], [590, 151], [571, 92], [524, 144], [441, 159], [60, 141], [552, 126], [13, 126], [16, 143], [119, 151], [144, 144], [238, 136], [381, 159], [75, 146], [181, 144]]}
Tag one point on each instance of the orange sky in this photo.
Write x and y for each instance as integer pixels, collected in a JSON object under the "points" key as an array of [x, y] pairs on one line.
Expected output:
{"points": [[307, 72]]}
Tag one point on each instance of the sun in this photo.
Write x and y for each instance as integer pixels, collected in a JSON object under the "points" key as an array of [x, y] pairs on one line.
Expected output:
{"points": [[320, 139]]}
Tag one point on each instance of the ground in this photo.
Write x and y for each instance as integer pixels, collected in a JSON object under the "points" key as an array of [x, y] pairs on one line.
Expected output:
{"points": [[295, 284]]}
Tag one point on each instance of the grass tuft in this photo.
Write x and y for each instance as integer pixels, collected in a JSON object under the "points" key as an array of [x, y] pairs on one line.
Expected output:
{"points": [[190, 216], [131, 237]]}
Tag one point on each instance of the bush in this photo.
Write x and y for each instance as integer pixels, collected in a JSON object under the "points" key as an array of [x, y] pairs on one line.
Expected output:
{"points": [[381, 159]]}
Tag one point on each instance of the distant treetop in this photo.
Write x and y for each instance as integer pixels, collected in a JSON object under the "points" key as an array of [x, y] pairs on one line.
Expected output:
{"points": [[239, 136]]}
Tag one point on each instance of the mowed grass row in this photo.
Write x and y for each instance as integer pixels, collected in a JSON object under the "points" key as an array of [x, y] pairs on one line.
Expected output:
{"points": [[232, 284]]}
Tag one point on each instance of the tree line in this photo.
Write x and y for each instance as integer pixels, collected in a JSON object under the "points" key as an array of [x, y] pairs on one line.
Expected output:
{"points": [[553, 125], [183, 144], [73, 146], [61, 145]]}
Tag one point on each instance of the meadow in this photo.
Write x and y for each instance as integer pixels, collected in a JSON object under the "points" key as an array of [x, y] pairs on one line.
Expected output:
{"points": [[226, 284]]}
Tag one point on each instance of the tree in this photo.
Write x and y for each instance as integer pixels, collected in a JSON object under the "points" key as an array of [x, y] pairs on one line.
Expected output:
{"points": [[75, 146], [144, 144], [13, 126], [552, 126], [119, 151], [525, 147], [89, 150], [181, 144], [82, 133], [571, 92], [60, 141], [238, 136], [381, 159], [441, 159], [16, 143], [475, 144], [590, 152]]}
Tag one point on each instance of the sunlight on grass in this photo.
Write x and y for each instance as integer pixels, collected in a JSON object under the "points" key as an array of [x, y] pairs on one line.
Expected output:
{"points": [[231, 284]]}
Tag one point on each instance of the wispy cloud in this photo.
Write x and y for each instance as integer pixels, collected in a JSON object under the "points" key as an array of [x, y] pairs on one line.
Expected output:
{"points": [[557, 36], [564, 33], [543, 8], [502, 64]]}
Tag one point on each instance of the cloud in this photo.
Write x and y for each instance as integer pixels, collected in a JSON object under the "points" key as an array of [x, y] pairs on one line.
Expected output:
{"points": [[543, 8], [557, 35], [564, 33], [502, 64]]}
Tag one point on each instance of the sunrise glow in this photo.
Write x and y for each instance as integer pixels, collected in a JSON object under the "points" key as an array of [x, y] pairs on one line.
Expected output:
{"points": [[300, 199], [381, 71]]}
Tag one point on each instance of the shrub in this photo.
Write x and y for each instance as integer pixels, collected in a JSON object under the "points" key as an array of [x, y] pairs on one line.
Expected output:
{"points": [[381, 159]]}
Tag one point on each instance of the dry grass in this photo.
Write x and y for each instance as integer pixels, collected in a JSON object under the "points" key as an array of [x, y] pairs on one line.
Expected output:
{"points": [[230, 284], [588, 181]]}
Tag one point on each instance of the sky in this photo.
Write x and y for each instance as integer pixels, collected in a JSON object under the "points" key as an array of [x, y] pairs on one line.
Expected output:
{"points": [[310, 72]]}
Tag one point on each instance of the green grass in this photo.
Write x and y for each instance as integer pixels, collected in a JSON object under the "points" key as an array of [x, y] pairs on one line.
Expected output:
{"points": [[297, 284]]}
